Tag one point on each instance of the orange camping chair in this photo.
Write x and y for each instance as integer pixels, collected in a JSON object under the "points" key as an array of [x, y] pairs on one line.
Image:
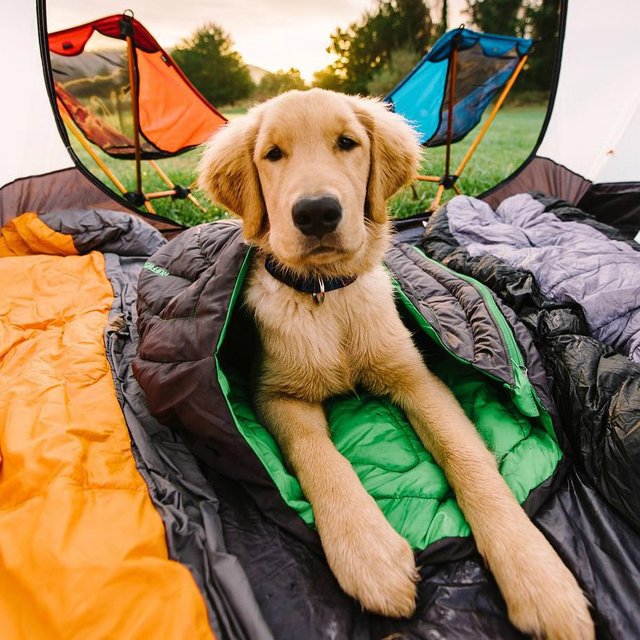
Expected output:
{"points": [[133, 102]]}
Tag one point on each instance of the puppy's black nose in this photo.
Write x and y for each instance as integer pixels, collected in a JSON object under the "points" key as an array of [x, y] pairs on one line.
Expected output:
{"points": [[317, 216]]}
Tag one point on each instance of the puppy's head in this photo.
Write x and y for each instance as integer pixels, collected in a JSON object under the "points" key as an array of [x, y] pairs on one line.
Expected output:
{"points": [[310, 174]]}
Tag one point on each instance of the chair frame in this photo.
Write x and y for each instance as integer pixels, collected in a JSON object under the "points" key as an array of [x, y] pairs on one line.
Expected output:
{"points": [[449, 180], [138, 197]]}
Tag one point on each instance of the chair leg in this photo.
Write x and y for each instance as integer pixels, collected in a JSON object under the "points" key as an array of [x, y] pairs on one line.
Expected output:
{"points": [[192, 186], [196, 203], [167, 180], [96, 158], [436, 201], [163, 176], [492, 115]]}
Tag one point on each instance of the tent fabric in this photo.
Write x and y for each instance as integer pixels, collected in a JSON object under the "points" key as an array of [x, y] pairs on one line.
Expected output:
{"points": [[592, 134], [548, 177], [65, 189], [38, 172], [591, 130], [31, 142], [95, 90], [484, 64], [616, 202]]}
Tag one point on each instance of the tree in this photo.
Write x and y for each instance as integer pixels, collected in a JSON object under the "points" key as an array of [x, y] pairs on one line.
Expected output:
{"points": [[217, 71], [541, 22], [328, 78], [366, 45], [496, 16], [388, 75], [535, 19], [442, 27], [273, 84]]}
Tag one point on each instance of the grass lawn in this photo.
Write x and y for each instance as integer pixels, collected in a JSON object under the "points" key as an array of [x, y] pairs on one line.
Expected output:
{"points": [[506, 145]]}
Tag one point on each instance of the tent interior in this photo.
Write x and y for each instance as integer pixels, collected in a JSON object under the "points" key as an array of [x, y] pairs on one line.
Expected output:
{"points": [[140, 496]]}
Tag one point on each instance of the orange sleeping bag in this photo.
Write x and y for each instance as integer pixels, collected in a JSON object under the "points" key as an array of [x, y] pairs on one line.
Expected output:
{"points": [[82, 548]]}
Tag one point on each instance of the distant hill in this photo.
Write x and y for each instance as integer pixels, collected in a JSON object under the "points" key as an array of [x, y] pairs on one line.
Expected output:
{"points": [[256, 73]]}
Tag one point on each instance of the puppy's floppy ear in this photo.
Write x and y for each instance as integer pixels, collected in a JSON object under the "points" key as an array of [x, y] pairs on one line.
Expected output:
{"points": [[228, 174], [395, 153]]}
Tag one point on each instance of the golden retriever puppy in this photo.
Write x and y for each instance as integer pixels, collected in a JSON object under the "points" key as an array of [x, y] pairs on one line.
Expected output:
{"points": [[310, 174]]}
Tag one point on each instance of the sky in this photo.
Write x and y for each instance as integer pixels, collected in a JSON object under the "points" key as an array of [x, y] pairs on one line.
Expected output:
{"points": [[273, 34]]}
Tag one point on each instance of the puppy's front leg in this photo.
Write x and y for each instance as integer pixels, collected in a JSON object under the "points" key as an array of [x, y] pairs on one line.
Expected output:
{"points": [[370, 560], [542, 596]]}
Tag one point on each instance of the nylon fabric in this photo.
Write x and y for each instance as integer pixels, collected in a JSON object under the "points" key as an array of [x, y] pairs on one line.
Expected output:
{"points": [[392, 463], [595, 388], [572, 262], [416, 100], [173, 115], [293, 585], [105, 230], [187, 504], [91, 557], [484, 64], [493, 45], [478, 79], [28, 235]]}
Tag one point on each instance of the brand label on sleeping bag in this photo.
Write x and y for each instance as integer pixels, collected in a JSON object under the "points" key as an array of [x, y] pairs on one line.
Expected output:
{"points": [[160, 271]]}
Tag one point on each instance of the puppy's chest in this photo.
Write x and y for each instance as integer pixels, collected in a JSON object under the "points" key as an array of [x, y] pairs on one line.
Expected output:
{"points": [[317, 350]]}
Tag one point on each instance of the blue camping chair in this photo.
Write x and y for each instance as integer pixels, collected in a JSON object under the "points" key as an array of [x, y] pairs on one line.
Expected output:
{"points": [[465, 69]]}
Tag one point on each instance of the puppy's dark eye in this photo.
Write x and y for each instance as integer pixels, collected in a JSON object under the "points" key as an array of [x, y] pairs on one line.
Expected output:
{"points": [[346, 143], [274, 154]]}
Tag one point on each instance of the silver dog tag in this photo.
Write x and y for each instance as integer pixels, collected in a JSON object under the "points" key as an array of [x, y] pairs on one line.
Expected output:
{"points": [[318, 298]]}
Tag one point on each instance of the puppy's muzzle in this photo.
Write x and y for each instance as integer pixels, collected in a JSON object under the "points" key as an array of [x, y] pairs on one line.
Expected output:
{"points": [[317, 216]]}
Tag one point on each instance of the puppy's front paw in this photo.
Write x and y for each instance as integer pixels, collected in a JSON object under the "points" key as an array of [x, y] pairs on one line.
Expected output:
{"points": [[372, 563], [556, 610], [544, 599]]}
